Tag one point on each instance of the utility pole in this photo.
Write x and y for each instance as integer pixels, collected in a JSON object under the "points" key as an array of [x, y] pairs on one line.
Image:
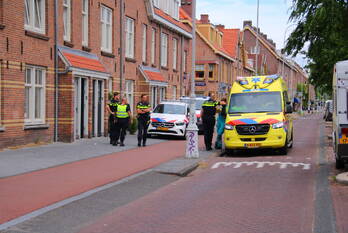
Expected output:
{"points": [[192, 130], [257, 37], [122, 43]]}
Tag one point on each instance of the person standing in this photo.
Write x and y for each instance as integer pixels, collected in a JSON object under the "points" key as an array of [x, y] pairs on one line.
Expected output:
{"points": [[208, 113], [221, 123], [111, 108], [123, 114], [143, 111]]}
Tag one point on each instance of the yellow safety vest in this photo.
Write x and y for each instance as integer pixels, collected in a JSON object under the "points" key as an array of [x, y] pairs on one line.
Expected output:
{"points": [[122, 111]]}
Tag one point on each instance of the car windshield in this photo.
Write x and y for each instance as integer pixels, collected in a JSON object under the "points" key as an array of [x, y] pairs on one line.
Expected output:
{"points": [[198, 103], [254, 102], [170, 109]]}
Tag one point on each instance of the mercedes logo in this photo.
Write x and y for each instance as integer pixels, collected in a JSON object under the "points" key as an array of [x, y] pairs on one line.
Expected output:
{"points": [[252, 129]]}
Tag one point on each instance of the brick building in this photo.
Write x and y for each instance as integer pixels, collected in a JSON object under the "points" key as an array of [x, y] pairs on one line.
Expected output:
{"points": [[157, 61]]}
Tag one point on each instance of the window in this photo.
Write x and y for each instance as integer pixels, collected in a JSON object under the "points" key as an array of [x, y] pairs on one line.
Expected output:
{"points": [[35, 15], [153, 45], [156, 3], [130, 93], [85, 22], [211, 71], [199, 71], [129, 37], [175, 53], [153, 96], [34, 95], [144, 42], [106, 29], [174, 92], [164, 50], [170, 7], [162, 93], [185, 61], [67, 19]]}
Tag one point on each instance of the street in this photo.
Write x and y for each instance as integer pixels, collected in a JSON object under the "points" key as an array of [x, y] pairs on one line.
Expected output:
{"points": [[249, 192]]}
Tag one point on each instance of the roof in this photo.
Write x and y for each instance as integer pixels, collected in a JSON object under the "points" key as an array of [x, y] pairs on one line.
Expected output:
{"points": [[170, 19], [152, 74], [81, 59], [230, 41]]}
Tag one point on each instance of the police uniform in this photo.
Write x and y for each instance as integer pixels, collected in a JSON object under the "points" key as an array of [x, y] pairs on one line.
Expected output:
{"points": [[143, 122], [209, 112], [112, 121], [122, 124]]}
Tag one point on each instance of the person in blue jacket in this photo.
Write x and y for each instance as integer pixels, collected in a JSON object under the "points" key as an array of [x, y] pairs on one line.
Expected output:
{"points": [[220, 126]]}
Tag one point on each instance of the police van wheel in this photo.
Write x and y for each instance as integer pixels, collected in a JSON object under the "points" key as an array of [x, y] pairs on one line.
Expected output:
{"points": [[339, 163]]}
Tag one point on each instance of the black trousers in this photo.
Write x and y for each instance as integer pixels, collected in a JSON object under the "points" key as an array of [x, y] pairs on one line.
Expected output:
{"points": [[112, 128], [142, 130], [121, 129], [208, 126]]}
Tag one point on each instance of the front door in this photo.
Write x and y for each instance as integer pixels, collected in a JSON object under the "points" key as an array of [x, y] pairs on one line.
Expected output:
{"points": [[98, 108], [81, 107]]}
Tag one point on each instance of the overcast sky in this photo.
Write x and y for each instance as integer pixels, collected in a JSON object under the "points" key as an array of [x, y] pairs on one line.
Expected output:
{"points": [[273, 20]]}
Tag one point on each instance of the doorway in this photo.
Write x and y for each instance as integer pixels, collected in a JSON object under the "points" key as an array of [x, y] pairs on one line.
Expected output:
{"points": [[81, 107], [98, 108]]}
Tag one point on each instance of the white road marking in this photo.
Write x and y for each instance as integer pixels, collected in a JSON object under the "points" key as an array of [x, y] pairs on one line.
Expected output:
{"points": [[282, 165]]}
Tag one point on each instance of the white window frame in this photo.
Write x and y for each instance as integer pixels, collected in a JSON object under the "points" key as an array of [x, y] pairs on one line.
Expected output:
{"points": [[129, 92], [175, 53], [153, 45], [31, 7], [67, 20], [154, 94], [129, 37], [144, 52], [30, 109], [85, 23], [174, 92], [164, 50], [156, 3], [106, 28], [162, 93]]}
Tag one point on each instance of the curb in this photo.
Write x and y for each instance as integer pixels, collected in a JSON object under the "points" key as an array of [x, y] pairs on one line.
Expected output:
{"points": [[342, 178]]}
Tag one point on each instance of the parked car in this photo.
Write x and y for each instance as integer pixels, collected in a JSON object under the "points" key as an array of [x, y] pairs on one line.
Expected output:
{"points": [[328, 108], [169, 118], [198, 103]]}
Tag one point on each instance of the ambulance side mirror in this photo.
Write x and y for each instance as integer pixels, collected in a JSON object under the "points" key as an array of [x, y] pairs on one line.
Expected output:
{"points": [[288, 108]]}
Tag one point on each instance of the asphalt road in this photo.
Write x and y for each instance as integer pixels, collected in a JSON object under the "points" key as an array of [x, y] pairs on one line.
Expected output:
{"points": [[251, 192]]}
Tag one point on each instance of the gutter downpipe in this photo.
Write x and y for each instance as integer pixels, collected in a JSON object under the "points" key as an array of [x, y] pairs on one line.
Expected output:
{"points": [[56, 83], [122, 43]]}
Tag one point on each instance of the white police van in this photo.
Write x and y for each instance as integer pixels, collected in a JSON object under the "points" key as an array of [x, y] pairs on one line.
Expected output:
{"points": [[169, 118]]}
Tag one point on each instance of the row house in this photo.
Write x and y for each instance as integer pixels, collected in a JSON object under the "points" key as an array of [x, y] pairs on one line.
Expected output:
{"points": [[215, 68], [56, 73], [267, 60]]}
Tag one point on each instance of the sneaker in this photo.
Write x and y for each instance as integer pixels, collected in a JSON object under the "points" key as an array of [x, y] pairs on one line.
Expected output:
{"points": [[144, 144], [139, 144], [121, 144]]}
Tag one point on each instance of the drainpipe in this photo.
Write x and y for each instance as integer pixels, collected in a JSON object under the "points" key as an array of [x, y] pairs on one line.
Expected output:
{"points": [[182, 66], [56, 70], [122, 44]]}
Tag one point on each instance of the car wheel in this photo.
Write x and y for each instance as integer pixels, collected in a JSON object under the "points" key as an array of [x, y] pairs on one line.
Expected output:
{"points": [[227, 153], [284, 149]]}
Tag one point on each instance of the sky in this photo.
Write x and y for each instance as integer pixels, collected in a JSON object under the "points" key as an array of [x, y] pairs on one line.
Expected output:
{"points": [[273, 18]]}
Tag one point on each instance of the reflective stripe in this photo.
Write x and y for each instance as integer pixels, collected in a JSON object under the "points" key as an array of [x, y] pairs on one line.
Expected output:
{"points": [[143, 106], [122, 111], [209, 104]]}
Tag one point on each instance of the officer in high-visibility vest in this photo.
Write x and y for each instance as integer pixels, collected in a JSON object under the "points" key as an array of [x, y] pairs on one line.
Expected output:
{"points": [[123, 114], [143, 110], [208, 113], [111, 108]]}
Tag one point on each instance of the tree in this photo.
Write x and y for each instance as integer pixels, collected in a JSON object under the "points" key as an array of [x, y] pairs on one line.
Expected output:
{"points": [[322, 25]]}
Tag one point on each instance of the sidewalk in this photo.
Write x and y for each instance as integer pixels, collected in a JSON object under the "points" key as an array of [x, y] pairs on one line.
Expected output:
{"points": [[73, 169]]}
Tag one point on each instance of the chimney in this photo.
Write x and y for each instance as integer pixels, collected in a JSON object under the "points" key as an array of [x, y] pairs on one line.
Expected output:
{"points": [[247, 23], [186, 5], [220, 27], [205, 19]]}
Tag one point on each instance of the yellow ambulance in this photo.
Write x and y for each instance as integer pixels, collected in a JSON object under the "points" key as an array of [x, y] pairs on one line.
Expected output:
{"points": [[259, 115]]}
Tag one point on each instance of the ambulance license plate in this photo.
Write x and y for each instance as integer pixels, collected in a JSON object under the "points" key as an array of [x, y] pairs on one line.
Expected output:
{"points": [[252, 145], [162, 129]]}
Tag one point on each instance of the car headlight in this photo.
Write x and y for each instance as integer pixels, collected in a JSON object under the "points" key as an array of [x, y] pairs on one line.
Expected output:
{"points": [[229, 127], [278, 125], [180, 123]]}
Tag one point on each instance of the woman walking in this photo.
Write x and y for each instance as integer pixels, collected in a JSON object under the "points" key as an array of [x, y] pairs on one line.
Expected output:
{"points": [[123, 114]]}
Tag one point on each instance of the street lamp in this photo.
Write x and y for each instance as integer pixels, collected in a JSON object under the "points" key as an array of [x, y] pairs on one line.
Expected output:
{"points": [[257, 36], [192, 130]]}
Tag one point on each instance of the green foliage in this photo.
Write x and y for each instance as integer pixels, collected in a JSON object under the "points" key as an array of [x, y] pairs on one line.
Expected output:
{"points": [[322, 26], [133, 126]]}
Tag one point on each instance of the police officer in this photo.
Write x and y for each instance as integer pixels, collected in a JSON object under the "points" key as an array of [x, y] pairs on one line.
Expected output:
{"points": [[111, 108], [143, 110], [123, 114], [208, 113]]}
